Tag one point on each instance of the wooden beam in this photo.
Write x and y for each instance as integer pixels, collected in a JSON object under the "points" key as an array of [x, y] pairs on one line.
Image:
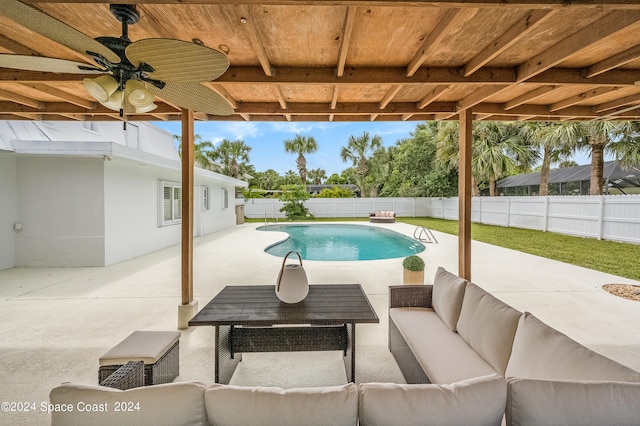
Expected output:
{"points": [[280, 96], [256, 42], [15, 47], [334, 98], [347, 29], [524, 4], [519, 30], [20, 99], [577, 99], [627, 100], [591, 34], [391, 93], [527, 97], [478, 96], [187, 205], [432, 95], [464, 194], [614, 61], [61, 94], [438, 32]]}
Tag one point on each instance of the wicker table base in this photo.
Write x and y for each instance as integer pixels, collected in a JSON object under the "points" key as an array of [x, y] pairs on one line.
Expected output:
{"points": [[250, 319]]}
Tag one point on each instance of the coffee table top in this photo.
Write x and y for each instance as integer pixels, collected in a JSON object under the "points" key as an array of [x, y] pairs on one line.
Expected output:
{"points": [[258, 305]]}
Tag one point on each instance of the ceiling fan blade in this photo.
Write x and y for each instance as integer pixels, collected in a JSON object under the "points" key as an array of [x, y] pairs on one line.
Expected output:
{"points": [[39, 63], [193, 96], [55, 30], [176, 60]]}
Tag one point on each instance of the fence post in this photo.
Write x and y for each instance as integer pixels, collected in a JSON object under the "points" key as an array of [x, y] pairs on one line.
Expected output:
{"points": [[601, 218], [480, 209], [508, 212], [545, 225]]}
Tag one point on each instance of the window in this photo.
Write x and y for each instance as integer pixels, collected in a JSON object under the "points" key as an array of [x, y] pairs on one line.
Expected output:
{"points": [[205, 198], [225, 198], [171, 208]]}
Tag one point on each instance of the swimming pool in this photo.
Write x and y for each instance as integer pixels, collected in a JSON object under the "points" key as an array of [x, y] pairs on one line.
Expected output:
{"points": [[342, 242]]}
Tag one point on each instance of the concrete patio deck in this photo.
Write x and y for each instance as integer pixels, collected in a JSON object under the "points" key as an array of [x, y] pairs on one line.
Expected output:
{"points": [[56, 322]]}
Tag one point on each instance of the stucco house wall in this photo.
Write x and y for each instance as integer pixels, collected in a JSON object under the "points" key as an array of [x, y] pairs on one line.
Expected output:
{"points": [[96, 202]]}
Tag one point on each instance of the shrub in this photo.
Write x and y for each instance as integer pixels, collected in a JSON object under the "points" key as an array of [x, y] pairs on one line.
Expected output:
{"points": [[413, 263]]}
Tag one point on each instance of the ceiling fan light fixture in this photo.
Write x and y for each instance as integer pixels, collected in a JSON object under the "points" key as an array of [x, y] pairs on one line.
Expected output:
{"points": [[147, 108], [137, 94], [101, 88], [115, 101]]}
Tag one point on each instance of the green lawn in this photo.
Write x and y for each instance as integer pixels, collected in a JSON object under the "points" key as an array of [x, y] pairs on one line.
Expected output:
{"points": [[607, 256]]}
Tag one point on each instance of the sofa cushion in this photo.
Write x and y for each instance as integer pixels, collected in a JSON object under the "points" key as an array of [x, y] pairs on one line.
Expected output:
{"points": [[448, 292], [541, 352], [234, 405], [168, 404], [441, 353], [477, 401], [488, 325], [542, 402]]}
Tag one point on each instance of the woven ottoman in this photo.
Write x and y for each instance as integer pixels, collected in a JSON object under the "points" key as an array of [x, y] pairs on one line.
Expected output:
{"points": [[159, 350]]}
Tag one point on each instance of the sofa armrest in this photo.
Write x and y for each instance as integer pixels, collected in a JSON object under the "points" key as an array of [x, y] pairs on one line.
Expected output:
{"points": [[413, 296], [130, 375]]}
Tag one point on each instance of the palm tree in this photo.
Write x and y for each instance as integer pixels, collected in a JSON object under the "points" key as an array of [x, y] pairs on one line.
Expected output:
{"points": [[201, 150], [553, 139], [233, 155], [500, 149], [358, 151], [448, 154], [317, 175], [599, 137], [301, 145]]}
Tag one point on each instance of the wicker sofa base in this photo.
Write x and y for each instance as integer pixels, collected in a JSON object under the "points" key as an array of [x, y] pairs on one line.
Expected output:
{"points": [[165, 370], [409, 366]]}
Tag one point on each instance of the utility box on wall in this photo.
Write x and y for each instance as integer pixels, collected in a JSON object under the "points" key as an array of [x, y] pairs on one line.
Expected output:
{"points": [[239, 214]]}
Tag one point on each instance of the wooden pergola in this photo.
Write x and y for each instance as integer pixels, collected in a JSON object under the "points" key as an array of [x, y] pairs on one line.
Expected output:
{"points": [[354, 60]]}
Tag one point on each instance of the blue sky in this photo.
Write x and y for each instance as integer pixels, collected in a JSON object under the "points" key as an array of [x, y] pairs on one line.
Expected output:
{"points": [[266, 140]]}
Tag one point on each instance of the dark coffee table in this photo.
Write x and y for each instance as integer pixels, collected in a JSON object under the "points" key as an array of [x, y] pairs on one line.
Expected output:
{"points": [[252, 319]]}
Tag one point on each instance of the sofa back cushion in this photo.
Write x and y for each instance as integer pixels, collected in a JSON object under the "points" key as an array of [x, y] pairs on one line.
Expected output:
{"points": [[477, 401], [448, 292], [542, 352], [544, 402], [488, 325], [228, 405], [170, 404]]}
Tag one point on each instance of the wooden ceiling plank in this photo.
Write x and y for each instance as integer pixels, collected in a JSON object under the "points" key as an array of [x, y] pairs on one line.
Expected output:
{"points": [[518, 31], [478, 96], [281, 100], [632, 99], [436, 35], [615, 61], [20, 99], [347, 29], [606, 26], [61, 94], [391, 93], [527, 97], [526, 4], [15, 47], [432, 95], [406, 117], [621, 111], [350, 108], [334, 97], [577, 99], [256, 41]]}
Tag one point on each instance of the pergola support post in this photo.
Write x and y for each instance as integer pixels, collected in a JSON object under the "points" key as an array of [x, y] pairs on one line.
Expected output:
{"points": [[464, 194], [189, 307]]}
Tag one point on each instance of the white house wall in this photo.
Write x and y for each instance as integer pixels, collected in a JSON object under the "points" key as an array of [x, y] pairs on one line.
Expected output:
{"points": [[8, 210], [60, 207]]}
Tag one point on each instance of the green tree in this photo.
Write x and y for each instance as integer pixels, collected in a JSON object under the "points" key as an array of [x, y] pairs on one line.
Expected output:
{"points": [[233, 155], [201, 151], [335, 179], [269, 180], [336, 192], [301, 145], [292, 178], [500, 150], [317, 175], [359, 151], [293, 197]]}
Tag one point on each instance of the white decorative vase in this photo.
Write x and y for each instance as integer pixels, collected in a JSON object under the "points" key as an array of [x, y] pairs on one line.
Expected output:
{"points": [[292, 285]]}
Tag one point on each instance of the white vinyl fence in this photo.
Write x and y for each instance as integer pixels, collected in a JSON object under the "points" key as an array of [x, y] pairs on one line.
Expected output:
{"points": [[609, 217]]}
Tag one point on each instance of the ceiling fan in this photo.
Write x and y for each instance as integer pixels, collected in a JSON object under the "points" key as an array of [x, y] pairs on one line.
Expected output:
{"points": [[132, 73]]}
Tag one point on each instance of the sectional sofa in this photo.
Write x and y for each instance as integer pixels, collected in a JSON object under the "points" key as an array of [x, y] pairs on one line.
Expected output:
{"points": [[468, 358]]}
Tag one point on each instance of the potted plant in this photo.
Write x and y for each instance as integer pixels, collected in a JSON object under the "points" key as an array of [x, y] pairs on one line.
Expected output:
{"points": [[413, 270]]}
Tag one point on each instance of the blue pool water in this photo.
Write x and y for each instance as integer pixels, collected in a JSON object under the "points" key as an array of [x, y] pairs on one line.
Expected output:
{"points": [[342, 242]]}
